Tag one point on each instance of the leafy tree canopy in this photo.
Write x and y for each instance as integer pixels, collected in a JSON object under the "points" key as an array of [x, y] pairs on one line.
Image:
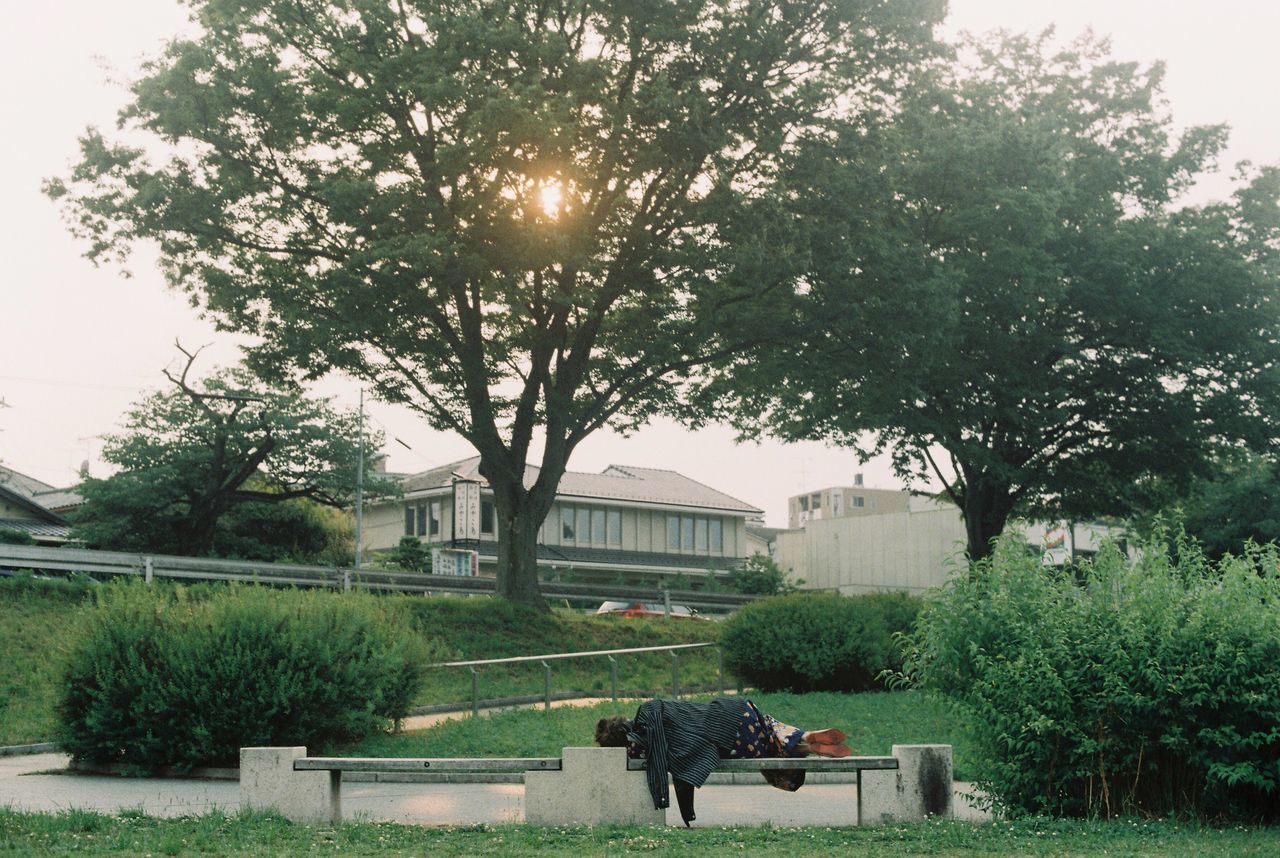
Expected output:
{"points": [[520, 218], [1002, 294], [1235, 503], [199, 462]]}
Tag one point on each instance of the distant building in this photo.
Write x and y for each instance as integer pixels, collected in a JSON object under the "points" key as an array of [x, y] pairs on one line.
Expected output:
{"points": [[627, 524], [909, 543], [35, 507], [842, 502], [761, 539]]}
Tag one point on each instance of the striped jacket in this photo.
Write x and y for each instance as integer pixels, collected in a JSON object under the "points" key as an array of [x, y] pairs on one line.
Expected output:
{"points": [[686, 739]]}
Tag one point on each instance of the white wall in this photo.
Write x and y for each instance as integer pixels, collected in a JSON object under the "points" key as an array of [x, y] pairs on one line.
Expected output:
{"points": [[895, 551], [910, 551]]}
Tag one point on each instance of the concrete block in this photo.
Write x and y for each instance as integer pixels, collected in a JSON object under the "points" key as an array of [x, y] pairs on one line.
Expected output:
{"points": [[921, 787], [268, 782], [593, 788]]}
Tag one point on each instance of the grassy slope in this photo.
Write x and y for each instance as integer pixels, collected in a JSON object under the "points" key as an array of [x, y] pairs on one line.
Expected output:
{"points": [[86, 833], [36, 616], [486, 628]]}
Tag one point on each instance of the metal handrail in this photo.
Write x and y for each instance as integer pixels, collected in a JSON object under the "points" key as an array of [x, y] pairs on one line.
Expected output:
{"points": [[563, 655], [472, 664]]}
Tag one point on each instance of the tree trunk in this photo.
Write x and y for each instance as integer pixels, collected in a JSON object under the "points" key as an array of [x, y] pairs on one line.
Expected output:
{"points": [[196, 531], [986, 510], [518, 553], [518, 513]]}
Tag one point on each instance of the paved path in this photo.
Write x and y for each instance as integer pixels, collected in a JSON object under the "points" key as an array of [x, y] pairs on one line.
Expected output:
{"points": [[30, 783]]}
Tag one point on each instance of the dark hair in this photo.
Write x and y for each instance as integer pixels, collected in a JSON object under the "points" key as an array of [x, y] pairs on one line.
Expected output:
{"points": [[612, 732]]}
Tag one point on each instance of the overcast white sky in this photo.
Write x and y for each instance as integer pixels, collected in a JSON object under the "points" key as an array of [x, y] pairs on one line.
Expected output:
{"points": [[78, 344]]}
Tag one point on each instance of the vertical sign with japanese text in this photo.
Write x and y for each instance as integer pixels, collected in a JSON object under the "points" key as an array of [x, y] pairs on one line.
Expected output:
{"points": [[466, 509]]}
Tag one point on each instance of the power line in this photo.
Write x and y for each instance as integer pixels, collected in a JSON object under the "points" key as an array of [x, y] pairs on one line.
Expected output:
{"points": [[62, 382]]}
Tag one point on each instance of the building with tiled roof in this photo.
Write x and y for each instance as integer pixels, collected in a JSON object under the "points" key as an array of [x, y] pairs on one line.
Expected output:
{"points": [[35, 507], [626, 523]]}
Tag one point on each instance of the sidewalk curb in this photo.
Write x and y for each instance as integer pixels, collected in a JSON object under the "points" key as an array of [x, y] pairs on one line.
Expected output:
{"points": [[22, 750]]}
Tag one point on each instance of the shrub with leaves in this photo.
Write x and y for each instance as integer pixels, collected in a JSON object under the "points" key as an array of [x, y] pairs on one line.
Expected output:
{"points": [[13, 536], [187, 677], [759, 575], [817, 641], [1148, 687], [411, 555]]}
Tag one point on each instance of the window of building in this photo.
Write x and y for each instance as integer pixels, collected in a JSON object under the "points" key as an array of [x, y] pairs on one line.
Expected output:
{"points": [[804, 503], [857, 500], [422, 519], [408, 520], [434, 523], [689, 533], [815, 501], [587, 525], [486, 518]]}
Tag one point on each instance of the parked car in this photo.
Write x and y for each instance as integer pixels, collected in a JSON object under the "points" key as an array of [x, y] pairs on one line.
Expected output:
{"points": [[648, 609]]}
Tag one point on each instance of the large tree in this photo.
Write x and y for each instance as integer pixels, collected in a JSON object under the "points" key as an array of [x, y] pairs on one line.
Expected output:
{"points": [[519, 217], [200, 464], [1003, 295]]}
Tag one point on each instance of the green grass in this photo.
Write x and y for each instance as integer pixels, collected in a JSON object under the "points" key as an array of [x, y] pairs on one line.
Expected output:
{"points": [[84, 833], [475, 628], [36, 616], [873, 721]]}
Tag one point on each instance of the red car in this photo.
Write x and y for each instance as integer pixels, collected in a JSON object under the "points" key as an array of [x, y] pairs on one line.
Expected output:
{"points": [[648, 609]]}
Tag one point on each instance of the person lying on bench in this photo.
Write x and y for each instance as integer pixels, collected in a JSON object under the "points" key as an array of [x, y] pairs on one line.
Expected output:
{"points": [[689, 740]]}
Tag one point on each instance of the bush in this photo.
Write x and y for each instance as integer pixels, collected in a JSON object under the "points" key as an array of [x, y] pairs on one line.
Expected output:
{"points": [[292, 531], [13, 536], [1150, 687], [410, 555], [817, 641], [187, 677], [759, 575]]}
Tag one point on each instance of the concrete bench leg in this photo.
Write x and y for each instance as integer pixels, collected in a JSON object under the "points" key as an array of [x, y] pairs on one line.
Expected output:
{"points": [[921, 787], [593, 788], [268, 782]]}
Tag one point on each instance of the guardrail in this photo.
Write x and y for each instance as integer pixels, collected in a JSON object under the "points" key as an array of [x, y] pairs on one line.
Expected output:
{"points": [[674, 649], [152, 566]]}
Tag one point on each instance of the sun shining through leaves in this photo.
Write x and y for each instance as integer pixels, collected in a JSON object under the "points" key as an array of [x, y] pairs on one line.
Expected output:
{"points": [[550, 196]]}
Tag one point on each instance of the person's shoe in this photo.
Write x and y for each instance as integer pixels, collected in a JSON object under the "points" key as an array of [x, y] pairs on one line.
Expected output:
{"points": [[829, 736], [830, 750]]}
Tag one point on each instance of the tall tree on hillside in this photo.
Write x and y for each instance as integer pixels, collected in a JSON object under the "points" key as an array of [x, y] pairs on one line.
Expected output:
{"points": [[203, 453], [519, 218], [1003, 296]]}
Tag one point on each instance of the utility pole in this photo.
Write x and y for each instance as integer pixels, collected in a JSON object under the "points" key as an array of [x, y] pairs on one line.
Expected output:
{"points": [[360, 480]]}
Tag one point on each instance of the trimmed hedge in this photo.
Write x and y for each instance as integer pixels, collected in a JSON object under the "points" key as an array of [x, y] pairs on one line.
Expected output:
{"points": [[1150, 687], [186, 677], [818, 641]]}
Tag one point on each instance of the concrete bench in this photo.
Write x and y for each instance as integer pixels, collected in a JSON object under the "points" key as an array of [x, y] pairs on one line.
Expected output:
{"points": [[591, 786]]}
